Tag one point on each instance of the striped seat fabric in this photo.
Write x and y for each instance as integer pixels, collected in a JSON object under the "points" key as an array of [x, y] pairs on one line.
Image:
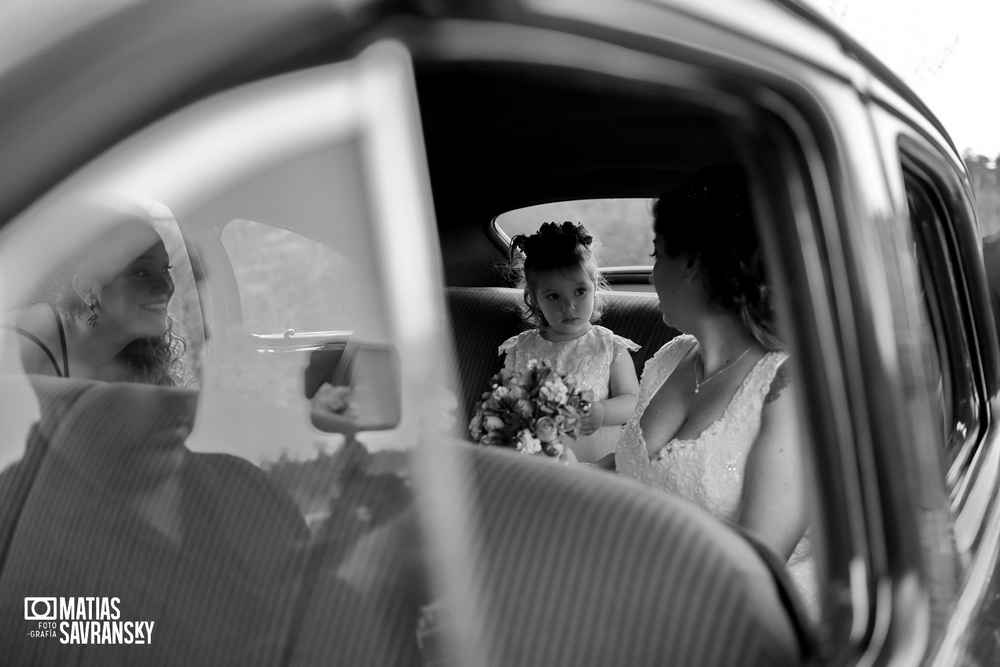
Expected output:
{"points": [[575, 567]]}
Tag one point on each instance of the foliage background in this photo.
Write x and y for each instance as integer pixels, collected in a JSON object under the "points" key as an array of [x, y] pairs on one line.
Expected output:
{"points": [[985, 179], [624, 227]]}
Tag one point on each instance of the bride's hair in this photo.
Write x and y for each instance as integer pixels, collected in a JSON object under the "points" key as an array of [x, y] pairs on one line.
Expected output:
{"points": [[565, 247], [709, 219]]}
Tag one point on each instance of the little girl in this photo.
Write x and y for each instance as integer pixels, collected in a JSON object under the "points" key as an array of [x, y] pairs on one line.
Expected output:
{"points": [[558, 272]]}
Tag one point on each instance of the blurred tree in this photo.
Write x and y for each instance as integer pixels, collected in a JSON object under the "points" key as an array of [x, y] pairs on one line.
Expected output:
{"points": [[985, 180], [624, 227]]}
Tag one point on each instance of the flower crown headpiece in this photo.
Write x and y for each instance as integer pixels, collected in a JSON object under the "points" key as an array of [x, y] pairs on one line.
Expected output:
{"points": [[552, 237]]}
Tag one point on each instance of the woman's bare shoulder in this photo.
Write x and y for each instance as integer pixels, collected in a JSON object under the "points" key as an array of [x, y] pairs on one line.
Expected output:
{"points": [[36, 324], [36, 318]]}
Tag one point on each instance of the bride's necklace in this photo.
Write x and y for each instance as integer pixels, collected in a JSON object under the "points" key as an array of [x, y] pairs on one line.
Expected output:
{"points": [[699, 364]]}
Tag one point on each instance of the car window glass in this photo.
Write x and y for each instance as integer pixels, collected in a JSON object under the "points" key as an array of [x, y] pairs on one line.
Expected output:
{"points": [[242, 516], [289, 281], [623, 226], [949, 360], [991, 262], [185, 306]]}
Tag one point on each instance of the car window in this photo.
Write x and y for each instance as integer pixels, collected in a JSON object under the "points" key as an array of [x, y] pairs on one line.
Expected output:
{"points": [[298, 293], [623, 226], [186, 305], [238, 518], [991, 260], [952, 374], [289, 281]]}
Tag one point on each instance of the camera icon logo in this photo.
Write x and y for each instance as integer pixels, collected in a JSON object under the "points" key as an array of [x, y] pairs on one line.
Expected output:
{"points": [[40, 609]]}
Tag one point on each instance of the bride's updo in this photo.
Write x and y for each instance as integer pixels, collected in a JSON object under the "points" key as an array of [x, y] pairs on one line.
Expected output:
{"points": [[709, 219]]}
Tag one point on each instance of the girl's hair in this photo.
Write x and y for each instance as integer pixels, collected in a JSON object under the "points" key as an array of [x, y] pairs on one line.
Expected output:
{"points": [[709, 219], [566, 247], [155, 360]]}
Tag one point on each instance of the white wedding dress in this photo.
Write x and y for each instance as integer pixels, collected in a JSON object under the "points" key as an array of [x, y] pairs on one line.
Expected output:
{"points": [[708, 470]]}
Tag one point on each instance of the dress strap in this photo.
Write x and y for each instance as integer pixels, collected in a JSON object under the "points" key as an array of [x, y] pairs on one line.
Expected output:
{"points": [[34, 339], [62, 341], [64, 372], [658, 368], [762, 375]]}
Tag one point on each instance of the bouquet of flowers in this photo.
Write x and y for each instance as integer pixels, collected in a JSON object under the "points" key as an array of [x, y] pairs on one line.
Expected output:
{"points": [[531, 411]]}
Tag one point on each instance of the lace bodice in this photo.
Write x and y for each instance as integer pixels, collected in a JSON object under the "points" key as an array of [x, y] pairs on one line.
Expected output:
{"points": [[588, 356], [708, 470]]}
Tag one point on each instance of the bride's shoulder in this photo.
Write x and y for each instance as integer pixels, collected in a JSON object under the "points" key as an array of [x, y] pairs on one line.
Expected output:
{"points": [[776, 376], [679, 344], [33, 316], [666, 357]]}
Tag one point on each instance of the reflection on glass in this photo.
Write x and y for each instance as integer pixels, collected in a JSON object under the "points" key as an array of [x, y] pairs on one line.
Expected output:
{"points": [[263, 514], [106, 312]]}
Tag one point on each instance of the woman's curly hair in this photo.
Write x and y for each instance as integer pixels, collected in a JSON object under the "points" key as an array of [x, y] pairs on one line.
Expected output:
{"points": [[709, 220], [567, 247], [155, 360]]}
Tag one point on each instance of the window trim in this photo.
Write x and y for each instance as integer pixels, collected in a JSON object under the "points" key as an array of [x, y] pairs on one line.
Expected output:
{"points": [[965, 473], [948, 314]]}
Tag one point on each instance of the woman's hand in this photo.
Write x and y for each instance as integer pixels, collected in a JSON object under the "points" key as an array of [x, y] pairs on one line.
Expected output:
{"points": [[593, 420], [565, 454]]}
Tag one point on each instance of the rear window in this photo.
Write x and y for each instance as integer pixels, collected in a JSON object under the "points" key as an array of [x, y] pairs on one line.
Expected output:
{"points": [[623, 226]]}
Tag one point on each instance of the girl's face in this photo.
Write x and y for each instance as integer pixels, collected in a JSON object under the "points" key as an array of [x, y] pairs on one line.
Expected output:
{"points": [[669, 278], [567, 302], [134, 302]]}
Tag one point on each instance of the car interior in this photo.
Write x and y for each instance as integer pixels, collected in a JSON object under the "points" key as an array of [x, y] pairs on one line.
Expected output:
{"points": [[519, 135]]}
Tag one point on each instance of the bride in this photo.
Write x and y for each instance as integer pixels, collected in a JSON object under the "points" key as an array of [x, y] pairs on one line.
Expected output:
{"points": [[715, 421]]}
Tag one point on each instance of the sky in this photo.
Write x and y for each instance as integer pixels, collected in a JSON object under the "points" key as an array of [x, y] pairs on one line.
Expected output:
{"points": [[948, 51]]}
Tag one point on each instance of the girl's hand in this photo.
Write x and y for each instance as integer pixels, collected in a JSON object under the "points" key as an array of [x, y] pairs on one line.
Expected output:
{"points": [[569, 457], [593, 420]]}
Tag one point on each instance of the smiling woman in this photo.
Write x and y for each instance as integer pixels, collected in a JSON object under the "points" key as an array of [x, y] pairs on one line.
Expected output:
{"points": [[102, 314]]}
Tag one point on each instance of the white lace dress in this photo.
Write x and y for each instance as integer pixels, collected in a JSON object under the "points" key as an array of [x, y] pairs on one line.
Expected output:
{"points": [[708, 470], [589, 358]]}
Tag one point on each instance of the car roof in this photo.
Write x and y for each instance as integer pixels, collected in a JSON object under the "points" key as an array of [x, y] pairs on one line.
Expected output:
{"points": [[121, 65]]}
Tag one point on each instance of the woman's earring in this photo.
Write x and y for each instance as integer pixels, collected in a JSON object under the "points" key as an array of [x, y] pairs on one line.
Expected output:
{"points": [[92, 320]]}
